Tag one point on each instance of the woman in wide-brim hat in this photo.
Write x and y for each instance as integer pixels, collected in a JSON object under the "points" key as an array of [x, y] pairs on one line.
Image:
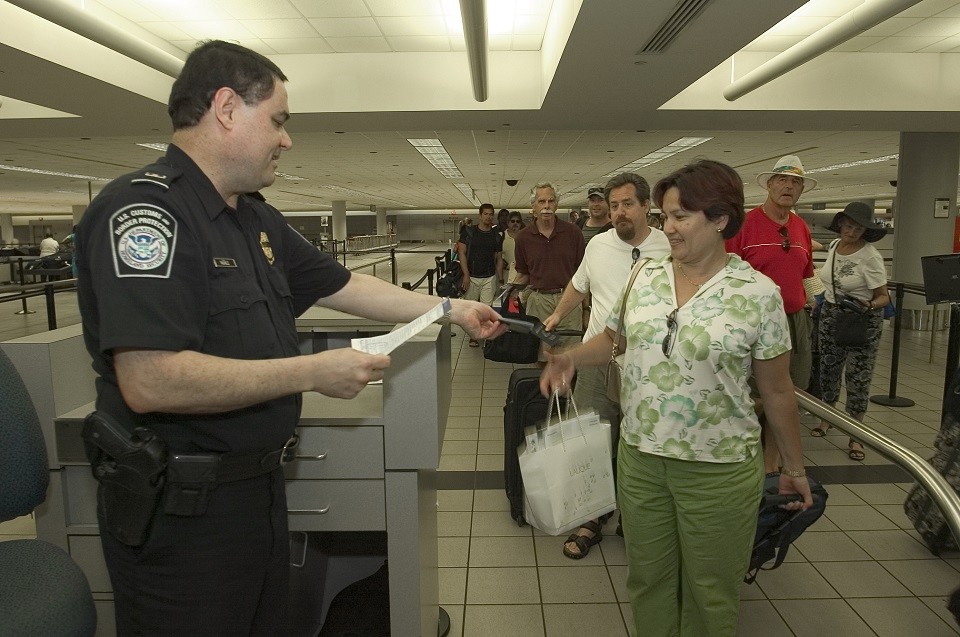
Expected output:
{"points": [[854, 269]]}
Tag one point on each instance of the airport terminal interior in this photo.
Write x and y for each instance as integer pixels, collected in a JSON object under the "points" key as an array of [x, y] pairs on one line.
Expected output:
{"points": [[407, 114], [860, 570]]}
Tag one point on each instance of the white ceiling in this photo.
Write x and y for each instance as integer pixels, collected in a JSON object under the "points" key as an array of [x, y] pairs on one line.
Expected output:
{"points": [[570, 99]]}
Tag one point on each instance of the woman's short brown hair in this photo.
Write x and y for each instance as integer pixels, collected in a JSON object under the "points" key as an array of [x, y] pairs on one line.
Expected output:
{"points": [[710, 186]]}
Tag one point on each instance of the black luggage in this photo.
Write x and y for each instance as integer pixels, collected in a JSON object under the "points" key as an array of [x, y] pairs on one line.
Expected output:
{"points": [[449, 277], [776, 528], [919, 506], [525, 406]]}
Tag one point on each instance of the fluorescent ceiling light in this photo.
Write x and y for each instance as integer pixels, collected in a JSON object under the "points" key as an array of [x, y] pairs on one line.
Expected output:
{"points": [[52, 173], [288, 176], [467, 192], [434, 152], [875, 160], [671, 149]]}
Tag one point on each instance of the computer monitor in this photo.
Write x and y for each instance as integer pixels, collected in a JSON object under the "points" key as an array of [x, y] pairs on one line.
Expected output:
{"points": [[941, 278]]}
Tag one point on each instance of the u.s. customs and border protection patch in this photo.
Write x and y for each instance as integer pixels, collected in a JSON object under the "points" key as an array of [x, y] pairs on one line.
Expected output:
{"points": [[265, 245], [144, 239]]}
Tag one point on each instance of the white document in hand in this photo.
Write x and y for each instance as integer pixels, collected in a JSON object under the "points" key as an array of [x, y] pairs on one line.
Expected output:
{"points": [[386, 343]]}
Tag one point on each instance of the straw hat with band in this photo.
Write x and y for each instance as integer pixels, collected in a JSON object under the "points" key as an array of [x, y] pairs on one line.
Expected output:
{"points": [[787, 165], [862, 215]]}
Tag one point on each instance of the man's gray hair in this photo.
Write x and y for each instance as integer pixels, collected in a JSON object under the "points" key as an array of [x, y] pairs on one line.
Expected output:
{"points": [[541, 186]]}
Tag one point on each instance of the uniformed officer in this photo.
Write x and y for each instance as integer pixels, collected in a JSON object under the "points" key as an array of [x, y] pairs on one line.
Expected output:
{"points": [[189, 289]]}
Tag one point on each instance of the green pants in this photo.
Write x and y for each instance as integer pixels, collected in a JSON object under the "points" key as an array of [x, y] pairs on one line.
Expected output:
{"points": [[689, 529]]}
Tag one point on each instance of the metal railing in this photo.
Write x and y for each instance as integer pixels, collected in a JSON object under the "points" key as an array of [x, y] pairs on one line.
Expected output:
{"points": [[921, 470], [47, 290]]}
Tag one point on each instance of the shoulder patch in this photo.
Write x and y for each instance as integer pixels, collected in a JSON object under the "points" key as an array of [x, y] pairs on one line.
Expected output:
{"points": [[157, 175], [144, 239]]}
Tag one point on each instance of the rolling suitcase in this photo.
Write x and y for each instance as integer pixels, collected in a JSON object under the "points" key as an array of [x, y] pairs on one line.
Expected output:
{"points": [[525, 406]]}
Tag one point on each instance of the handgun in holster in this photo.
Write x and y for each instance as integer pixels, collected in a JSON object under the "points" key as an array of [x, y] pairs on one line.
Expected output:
{"points": [[130, 467]]}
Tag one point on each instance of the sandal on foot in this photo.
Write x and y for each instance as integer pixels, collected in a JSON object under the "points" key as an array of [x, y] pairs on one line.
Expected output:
{"points": [[856, 454], [583, 542], [474, 343], [819, 431]]}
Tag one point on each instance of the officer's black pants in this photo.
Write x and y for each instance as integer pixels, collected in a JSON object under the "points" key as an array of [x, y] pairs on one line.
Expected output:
{"points": [[223, 573]]}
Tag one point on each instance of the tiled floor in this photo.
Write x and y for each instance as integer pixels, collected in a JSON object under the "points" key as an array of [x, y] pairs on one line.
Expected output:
{"points": [[859, 571]]}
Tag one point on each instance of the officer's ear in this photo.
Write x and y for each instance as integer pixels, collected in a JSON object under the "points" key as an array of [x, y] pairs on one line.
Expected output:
{"points": [[224, 106]]}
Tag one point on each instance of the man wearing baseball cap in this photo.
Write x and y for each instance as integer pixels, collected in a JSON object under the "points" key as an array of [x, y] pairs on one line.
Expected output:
{"points": [[776, 241], [599, 218]]}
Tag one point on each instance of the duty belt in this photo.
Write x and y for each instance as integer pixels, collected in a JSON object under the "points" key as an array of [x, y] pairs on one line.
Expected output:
{"points": [[226, 467], [548, 290]]}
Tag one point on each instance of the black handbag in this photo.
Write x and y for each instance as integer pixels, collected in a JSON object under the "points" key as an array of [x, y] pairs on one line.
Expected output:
{"points": [[850, 329], [512, 347]]}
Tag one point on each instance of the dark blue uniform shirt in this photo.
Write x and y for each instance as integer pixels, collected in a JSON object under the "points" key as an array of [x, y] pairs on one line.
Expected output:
{"points": [[166, 264]]}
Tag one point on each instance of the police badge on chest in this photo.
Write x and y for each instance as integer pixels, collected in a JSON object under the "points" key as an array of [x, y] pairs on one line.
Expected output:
{"points": [[265, 246]]}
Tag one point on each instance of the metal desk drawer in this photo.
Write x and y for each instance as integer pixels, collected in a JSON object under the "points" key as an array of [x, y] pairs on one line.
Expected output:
{"points": [[336, 505], [338, 453]]}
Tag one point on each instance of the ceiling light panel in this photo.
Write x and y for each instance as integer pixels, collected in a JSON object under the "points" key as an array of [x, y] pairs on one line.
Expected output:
{"points": [[678, 146], [851, 164], [51, 173], [434, 152]]}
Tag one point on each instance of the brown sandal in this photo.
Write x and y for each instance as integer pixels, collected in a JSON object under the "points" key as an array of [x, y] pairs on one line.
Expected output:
{"points": [[856, 454], [583, 542], [819, 431]]}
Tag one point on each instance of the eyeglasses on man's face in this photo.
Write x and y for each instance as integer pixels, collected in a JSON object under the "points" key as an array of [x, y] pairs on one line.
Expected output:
{"points": [[671, 333], [785, 244], [515, 221]]}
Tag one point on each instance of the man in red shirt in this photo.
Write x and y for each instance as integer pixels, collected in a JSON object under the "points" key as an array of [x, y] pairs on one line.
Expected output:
{"points": [[548, 252], [776, 242]]}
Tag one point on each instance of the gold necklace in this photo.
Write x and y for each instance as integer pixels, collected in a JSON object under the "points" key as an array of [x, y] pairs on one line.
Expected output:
{"points": [[696, 285]]}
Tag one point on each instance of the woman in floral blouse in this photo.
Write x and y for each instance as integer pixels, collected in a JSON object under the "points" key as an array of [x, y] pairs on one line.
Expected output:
{"points": [[699, 323]]}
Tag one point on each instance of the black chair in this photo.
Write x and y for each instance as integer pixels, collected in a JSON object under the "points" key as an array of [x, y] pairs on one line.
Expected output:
{"points": [[42, 590]]}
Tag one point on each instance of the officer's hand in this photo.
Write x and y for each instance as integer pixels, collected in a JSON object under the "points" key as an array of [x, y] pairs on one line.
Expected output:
{"points": [[343, 372], [551, 322], [466, 283], [478, 319]]}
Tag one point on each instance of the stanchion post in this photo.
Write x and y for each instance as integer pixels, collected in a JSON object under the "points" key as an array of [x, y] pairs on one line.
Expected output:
{"points": [[892, 400], [51, 306], [393, 265], [953, 350]]}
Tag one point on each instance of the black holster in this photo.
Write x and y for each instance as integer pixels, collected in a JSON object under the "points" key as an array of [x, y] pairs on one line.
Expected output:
{"points": [[130, 468]]}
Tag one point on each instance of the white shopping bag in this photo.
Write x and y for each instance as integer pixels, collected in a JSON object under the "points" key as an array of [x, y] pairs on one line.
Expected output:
{"points": [[567, 484]]}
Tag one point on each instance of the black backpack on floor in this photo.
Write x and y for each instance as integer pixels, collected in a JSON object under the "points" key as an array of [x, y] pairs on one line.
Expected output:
{"points": [[777, 529]]}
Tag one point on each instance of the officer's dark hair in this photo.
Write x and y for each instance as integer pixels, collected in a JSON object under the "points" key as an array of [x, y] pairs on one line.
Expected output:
{"points": [[710, 186], [639, 183], [486, 206], [213, 65]]}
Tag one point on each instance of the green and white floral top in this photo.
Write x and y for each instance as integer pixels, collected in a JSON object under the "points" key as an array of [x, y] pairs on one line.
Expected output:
{"points": [[695, 403]]}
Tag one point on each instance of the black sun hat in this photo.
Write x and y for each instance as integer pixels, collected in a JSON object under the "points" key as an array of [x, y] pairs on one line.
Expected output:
{"points": [[861, 214]]}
